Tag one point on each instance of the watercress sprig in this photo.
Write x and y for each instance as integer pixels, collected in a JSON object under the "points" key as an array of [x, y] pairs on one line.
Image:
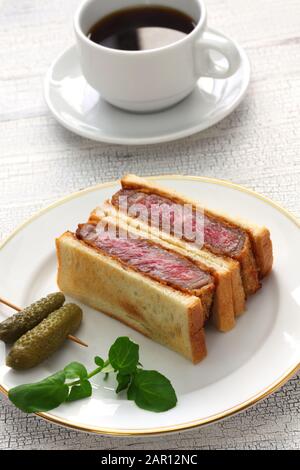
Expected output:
{"points": [[149, 389]]}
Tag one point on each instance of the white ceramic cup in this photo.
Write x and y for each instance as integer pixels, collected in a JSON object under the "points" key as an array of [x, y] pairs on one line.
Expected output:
{"points": [[151, 80]]}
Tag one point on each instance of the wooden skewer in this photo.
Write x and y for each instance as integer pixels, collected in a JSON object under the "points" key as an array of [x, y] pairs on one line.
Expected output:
{"points": [[9, 304], [18, 309]]}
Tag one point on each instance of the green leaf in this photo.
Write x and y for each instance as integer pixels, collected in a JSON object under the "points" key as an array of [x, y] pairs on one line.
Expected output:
{"points": [[74, 370], [40, 396], [99, 361], [124, 355], [152, 391], [131, 392], [78, 392], [123, 382]]}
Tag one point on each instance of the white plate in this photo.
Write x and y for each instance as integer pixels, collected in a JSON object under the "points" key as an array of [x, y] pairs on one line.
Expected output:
{"points": [[242, 366], [81, 109]]}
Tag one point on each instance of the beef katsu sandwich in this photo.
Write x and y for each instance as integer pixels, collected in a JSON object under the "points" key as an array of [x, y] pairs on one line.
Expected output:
{"points": [[164, 283]]}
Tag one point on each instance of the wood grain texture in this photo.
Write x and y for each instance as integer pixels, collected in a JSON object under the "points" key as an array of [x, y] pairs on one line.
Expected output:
{"points": [[257, 146]]}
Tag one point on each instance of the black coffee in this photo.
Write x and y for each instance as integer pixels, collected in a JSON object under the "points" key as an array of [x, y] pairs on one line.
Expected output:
{"points": [[141, 28]]}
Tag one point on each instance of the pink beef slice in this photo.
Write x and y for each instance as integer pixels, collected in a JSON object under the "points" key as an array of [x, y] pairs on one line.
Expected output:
{"points": [[147, 258], [219, 237]]}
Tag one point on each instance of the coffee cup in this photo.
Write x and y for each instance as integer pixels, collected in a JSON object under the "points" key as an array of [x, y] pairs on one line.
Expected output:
{"points": [[154, 79]]}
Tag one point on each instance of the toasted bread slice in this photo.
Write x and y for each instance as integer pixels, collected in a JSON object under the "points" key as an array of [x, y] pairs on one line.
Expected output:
{"points": [[261, 245], [164, 314], [255, 257], [229, 296]]}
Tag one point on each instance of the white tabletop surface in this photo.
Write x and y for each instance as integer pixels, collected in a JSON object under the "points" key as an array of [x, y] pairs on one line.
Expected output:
{"points": [[257, 146]]}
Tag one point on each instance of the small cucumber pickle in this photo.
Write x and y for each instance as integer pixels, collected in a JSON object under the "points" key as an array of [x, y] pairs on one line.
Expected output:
{"points": [[39, 343], [19, 323]]}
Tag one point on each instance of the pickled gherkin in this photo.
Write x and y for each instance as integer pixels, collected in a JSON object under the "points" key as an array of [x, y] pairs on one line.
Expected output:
{"points": [[19, 323], [39, 343]]}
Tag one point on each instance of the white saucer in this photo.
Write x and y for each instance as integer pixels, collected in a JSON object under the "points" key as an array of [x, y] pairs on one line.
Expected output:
{"points": [[81, 109]]}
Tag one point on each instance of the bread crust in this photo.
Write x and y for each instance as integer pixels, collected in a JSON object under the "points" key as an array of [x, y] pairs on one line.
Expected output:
{"points": [[258, 254], [167, 316], [249, 270], [262, 246], [239, 298]]}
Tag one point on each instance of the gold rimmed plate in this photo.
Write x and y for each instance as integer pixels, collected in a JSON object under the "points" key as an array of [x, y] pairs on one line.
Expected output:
{"points": [[242, 367]]}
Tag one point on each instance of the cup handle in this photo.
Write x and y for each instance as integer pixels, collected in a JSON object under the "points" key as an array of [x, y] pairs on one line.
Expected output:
{"points": [[206, 66]]}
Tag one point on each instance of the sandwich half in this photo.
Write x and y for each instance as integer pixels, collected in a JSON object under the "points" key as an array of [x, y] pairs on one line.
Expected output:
{"points": [[224, 236], [229, 296], [157, 291]]}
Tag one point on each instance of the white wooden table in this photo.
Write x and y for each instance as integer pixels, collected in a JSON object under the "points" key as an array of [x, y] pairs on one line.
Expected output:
{"points": [[257, 146]]}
